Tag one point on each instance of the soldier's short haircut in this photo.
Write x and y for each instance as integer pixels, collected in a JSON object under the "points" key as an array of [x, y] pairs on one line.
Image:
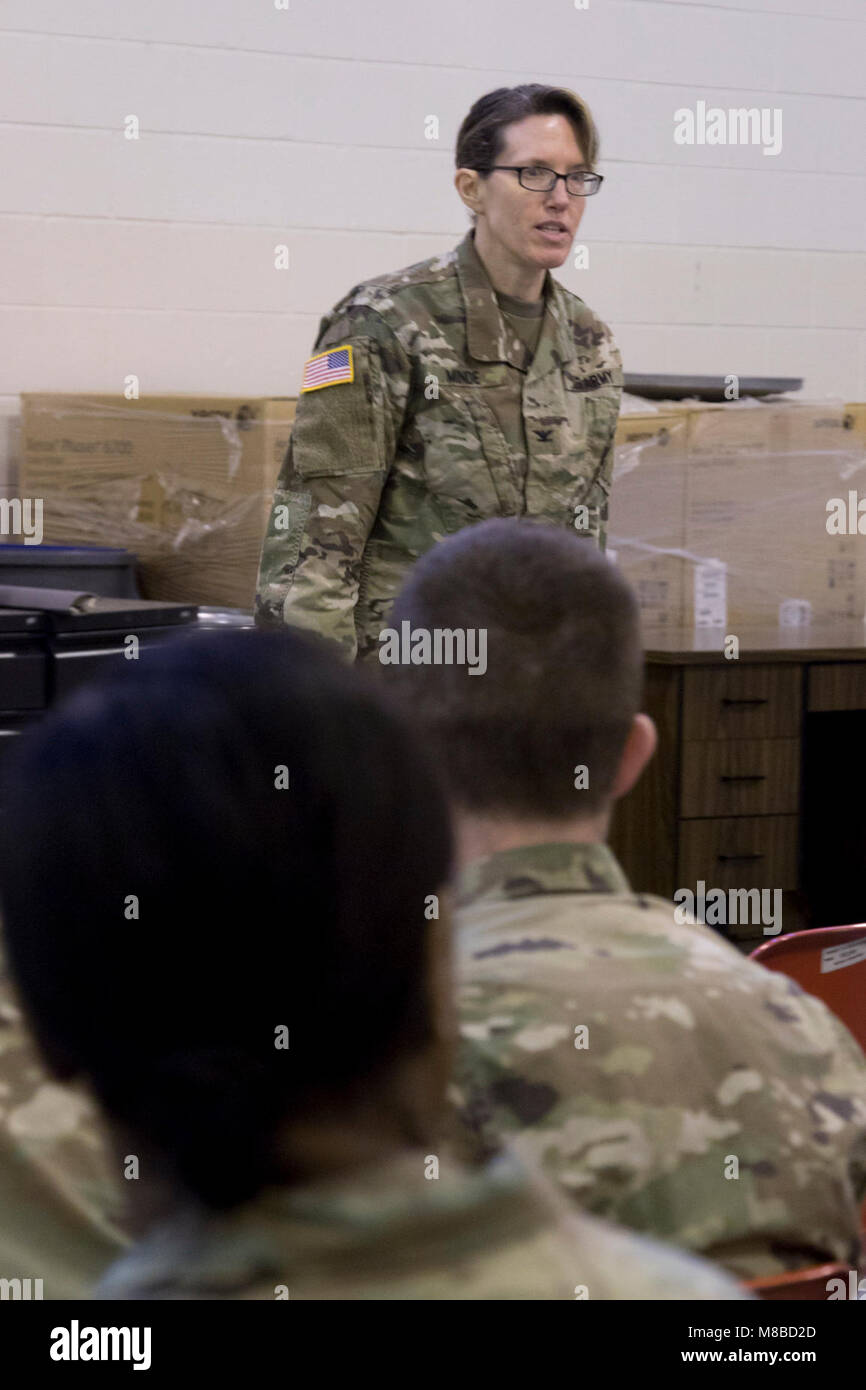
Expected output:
{"points": [[170, 903], [481, 137], [564, 668]]}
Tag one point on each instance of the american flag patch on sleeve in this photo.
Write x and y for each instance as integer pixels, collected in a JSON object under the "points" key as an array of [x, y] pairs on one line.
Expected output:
{"points": [[328, 368]]}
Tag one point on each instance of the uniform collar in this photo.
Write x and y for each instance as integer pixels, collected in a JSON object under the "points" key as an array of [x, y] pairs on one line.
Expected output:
{"points": [[558, 867], [299, 1230], [487, 336]]}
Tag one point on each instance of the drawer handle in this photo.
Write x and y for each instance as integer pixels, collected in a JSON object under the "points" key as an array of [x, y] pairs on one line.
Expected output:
{"points": [[734, 858], [745, 777], [759, 700]]}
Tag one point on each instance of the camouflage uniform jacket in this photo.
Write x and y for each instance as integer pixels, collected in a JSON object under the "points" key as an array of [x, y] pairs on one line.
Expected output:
{"points": [[664, 1080], [382, 467], [494, 1235], [388, 1232], [60, 1205]]}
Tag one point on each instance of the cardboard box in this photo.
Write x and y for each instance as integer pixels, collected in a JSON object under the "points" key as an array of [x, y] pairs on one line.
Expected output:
{"points": [[647, 512], [759, 479], [662, 428], [733, 516], [184, 481], [771, 426], [855, 415]]}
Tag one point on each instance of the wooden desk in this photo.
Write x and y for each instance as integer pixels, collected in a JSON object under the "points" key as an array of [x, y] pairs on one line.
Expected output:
{"points": [[758, 780]]}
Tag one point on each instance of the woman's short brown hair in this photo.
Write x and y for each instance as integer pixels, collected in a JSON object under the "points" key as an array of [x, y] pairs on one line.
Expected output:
{"points": [[482, 134]]}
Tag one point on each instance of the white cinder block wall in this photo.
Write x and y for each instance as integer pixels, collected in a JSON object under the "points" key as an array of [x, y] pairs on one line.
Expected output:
{"points": [[305, 126]]}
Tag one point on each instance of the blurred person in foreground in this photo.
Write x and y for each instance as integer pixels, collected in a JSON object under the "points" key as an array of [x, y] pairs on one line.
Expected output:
{"points": [[222, 911], [664, 1080]]}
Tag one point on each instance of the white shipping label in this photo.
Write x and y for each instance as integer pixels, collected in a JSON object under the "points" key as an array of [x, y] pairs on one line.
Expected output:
{"points": [[837, 957], [711, 594], [795, 612]]}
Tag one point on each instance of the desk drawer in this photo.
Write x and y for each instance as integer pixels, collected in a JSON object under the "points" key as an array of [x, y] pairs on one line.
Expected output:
{"points": [[740, 777], [839, 687], [739, 852], [751, 702]]}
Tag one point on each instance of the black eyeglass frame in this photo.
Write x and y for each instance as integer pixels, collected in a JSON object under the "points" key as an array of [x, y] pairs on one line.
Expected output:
{"points": [[518, 169]]}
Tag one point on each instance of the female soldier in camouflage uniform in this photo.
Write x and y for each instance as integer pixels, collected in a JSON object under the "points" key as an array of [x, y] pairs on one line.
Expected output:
{"points": [[467, 386]]}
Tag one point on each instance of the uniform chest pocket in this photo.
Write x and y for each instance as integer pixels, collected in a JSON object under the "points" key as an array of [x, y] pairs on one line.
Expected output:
{"points": [[590, 424], [601, 412], [464, 457]]}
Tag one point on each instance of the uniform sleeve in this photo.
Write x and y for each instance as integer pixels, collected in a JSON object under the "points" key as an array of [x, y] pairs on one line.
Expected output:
{"points": [[603, 407], [605, 472], [327, 496], [605, 476]]}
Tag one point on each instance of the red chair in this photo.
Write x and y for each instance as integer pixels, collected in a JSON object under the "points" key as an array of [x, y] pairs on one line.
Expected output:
{"points": [[804, 1284], [841, 985]]}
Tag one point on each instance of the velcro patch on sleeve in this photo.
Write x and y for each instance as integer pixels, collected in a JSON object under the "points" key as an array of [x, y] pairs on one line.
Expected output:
{"points": [[328, 368]]}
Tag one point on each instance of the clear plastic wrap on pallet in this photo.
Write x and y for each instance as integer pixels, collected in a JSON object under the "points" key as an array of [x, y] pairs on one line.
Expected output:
{"points": [[184, 482], [744, 514]]}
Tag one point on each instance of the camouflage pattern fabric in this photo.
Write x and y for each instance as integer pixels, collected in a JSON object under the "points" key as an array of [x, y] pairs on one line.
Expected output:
{"points": [[493, 1235], [709, 1102], [381, 468], [390, 1233], [59, 1199], [489, 1235]]}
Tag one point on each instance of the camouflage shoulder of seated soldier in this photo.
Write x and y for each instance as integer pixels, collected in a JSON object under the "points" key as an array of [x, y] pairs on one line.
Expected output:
{"points": [[675, 1087], [53, 1129]]}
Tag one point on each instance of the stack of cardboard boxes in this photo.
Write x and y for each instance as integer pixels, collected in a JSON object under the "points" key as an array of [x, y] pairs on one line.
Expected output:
{"points": [[718, 513], [184, 481]]}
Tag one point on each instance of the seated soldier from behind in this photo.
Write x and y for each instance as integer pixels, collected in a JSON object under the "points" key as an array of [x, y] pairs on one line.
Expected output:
{"points": [[220, 910], [663, 1079]]}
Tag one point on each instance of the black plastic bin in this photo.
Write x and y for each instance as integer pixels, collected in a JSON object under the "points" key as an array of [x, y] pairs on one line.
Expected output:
{"points": [[92, 569]]}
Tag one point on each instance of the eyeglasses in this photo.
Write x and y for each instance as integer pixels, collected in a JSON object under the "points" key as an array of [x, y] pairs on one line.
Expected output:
{"points": [[538, 179]]}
